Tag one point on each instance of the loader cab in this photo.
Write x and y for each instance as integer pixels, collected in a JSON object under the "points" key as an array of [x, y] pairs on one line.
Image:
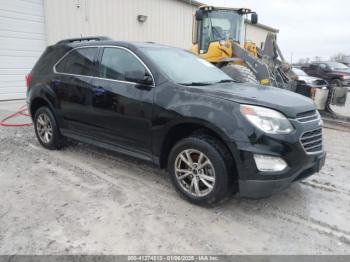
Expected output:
{"points": [[214, 29]]}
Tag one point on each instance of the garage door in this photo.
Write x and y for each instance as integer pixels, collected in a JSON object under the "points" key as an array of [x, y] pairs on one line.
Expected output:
{"points": [[22, 40]]}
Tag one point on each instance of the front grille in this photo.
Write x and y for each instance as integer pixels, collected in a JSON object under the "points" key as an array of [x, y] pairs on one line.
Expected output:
{"points": [[308, 116], [312, 141]]}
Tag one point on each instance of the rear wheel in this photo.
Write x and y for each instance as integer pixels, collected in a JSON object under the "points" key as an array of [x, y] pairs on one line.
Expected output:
{"points": [[200, 170], [240, 73], [46, 129]]}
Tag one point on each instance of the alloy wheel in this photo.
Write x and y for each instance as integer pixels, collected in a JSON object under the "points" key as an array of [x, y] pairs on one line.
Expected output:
{"points": [[194, 172], [44, 128]]}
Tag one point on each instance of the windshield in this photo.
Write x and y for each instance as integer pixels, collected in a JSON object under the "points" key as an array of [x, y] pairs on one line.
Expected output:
{"points": [[220, 25], [337, 66], [299, 72], [184, 67]]}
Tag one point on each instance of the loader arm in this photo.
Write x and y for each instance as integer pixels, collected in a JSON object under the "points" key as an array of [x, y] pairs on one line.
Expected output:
{"points": [[280, 70], [255, 64], [269, 67]]}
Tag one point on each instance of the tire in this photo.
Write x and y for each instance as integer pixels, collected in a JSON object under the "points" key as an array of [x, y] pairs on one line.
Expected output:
{"points": [[217, 172], [46, 129], [240, 73], [336, 83]]}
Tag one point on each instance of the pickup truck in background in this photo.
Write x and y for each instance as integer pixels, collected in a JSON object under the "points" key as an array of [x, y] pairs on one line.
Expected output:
{"points": [[336, 74]]}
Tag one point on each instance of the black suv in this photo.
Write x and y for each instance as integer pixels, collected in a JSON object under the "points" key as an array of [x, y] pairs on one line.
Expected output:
{"points": [[172, 108], [336, 74]]}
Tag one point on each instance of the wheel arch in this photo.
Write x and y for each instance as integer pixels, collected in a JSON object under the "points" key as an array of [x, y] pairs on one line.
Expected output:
{"points": [[43, 95], [189, 127], [37, 103]]}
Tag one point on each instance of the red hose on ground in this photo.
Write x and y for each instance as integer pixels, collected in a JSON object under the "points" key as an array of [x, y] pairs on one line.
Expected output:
{"points": [[20, 111]]}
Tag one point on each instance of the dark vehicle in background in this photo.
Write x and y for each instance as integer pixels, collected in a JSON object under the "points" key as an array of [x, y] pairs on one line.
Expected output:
{"points": [[336, 74], [169, 107]]}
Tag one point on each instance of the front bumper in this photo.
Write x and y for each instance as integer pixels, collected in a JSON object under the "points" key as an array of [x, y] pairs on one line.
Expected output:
{"points": [[265, 188], [301, 164]]}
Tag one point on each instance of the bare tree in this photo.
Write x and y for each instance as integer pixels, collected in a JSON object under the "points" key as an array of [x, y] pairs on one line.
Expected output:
{"points": [[338, 57], [317, 58]]}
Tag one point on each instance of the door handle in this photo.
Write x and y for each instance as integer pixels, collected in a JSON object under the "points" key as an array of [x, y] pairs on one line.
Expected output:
{"points": [[99, 90]]}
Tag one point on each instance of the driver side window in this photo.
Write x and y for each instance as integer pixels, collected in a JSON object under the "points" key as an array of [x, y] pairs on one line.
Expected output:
{"points": [[214, 29]]}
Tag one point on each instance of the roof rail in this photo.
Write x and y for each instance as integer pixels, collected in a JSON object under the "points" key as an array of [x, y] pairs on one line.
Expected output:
{"points": [[83, 39]]}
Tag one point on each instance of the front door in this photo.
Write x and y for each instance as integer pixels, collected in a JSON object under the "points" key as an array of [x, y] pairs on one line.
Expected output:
{"points": [[122, 109]]}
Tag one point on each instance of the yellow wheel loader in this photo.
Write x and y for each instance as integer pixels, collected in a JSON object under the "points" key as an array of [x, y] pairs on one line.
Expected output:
{"points": [[219, 36]]}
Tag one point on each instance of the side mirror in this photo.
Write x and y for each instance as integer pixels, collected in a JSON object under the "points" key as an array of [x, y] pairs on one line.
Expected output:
{"points": [[138, 76], [199, 15], [254, 18]]}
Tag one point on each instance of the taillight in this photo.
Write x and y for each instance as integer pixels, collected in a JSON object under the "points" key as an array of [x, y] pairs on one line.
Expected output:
{"points": [[29, 78]]}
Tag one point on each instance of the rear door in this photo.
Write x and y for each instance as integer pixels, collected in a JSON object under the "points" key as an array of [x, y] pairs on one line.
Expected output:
{"points": [[73, 87], [122, 109]]}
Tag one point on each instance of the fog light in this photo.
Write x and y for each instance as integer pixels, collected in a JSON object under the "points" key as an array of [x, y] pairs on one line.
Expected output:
{"points": [[269, 163]]}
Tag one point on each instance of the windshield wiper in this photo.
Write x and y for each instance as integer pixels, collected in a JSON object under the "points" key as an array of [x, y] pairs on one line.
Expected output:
{"points": [[208, 83], [227, 81], [197, 83]]}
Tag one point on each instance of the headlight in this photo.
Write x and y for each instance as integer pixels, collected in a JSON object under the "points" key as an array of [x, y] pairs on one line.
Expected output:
{"points": [[345, 77], [268, 120]]}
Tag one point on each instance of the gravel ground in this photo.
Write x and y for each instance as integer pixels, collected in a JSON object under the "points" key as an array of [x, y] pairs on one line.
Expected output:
{"points": [[84, 200]]}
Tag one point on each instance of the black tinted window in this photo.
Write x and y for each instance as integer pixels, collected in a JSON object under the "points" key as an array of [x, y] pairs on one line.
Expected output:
{"points": [[79, 62], [116, 62]]}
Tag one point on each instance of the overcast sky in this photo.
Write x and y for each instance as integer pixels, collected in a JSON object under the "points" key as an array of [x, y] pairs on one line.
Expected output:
{"points": [[308, 28]]}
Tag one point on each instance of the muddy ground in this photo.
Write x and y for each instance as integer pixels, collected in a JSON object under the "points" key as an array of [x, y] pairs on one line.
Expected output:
{"points": [[84, 200]]}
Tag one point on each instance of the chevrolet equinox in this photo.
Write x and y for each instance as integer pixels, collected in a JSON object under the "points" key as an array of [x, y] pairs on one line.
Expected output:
{"points": [[165, 105]]}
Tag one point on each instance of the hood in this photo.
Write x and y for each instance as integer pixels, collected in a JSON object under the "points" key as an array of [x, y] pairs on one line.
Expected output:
{"points": [[287, 102], [314, 81]]}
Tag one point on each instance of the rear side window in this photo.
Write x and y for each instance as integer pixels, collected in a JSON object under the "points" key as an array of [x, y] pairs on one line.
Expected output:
{"points": [[116, 62], [313, 67], [79, 62]]}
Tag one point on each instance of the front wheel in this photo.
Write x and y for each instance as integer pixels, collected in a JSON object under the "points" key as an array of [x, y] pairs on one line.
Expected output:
{"points": [[200, 171]]}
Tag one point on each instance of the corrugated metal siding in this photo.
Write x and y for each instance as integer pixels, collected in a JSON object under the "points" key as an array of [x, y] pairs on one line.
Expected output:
{"points": [[22, 40], [168, 22]]}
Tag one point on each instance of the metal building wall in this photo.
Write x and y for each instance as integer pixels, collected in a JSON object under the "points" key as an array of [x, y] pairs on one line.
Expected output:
{"points": [[22, 40], [257, 34], [168, 22]]}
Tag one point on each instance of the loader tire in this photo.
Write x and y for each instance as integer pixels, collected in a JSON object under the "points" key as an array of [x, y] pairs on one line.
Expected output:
{"points": [[240, 73]]}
